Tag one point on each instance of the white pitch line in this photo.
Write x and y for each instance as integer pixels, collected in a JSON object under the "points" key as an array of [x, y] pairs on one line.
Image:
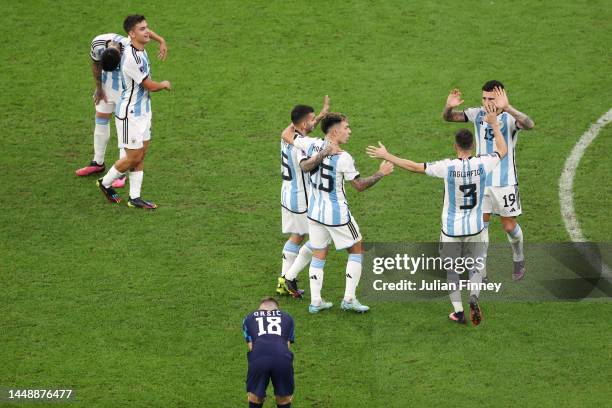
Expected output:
{"points": [[566, 184]]}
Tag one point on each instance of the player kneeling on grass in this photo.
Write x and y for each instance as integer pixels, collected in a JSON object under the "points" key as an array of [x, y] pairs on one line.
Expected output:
{"points": [[465, 179], [133, 114], [329, 216], [269, 333]]}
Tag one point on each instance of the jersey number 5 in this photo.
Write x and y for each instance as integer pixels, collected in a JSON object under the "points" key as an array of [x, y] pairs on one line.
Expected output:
{"points": [[284, 162], [469, 191], [273, 325], [328, 177]]}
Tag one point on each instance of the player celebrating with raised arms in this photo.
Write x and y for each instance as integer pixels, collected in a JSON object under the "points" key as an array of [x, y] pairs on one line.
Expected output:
{"points": [[269, 333], [329, 216], [133, 114], [105, 53], [465, 179], [502, 192], [294, 191]]}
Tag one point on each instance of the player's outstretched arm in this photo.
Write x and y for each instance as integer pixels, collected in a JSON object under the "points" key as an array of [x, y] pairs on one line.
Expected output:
{"points": [[96, 69], [501, 101], [153, 86], [361, 184], [324, 110], [491, 118], [314, 161], [381, 152], [163, 48], [452, 101], [288, 134]]}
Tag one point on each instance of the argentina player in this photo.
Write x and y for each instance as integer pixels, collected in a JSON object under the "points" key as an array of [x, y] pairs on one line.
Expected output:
{"points": [[502, 191], [329, 217], [465, 179], [105, 53]]}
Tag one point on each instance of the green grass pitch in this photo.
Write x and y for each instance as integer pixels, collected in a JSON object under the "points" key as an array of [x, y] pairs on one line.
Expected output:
{"points": [[144, 309]]}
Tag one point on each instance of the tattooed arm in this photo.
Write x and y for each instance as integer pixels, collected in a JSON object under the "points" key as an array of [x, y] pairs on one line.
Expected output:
{"points": [[314, 161], [362, 184], [501, 101], [453, 100]]}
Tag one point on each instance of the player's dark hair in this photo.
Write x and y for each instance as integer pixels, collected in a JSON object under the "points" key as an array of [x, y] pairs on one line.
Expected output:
{"points": [[110, 59], [268, 299], [300, 112], [489, 86], [464, 139], [331, 119], [131, 20]]}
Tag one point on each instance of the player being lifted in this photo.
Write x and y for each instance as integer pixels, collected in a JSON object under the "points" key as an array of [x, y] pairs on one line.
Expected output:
{"points": [[329, 217], [294, 190], [105, 53], [269, 333], [464, 185], [133, 114], [502, 191]]}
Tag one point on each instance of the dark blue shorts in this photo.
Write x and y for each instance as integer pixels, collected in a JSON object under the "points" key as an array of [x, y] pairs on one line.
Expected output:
{"points": [[278, 368]]}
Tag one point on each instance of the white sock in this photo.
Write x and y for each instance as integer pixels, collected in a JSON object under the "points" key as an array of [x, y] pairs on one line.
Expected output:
{"points": [[316, 280], [135, 183], [290, 252], [303, 258], [101, 136], [112, 175], [353, 274], [485, 239], [516, 241], [475, 277], [455, 295]]}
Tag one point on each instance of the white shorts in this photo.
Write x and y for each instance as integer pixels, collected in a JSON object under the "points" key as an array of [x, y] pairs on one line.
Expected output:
{"points": [[471, 246], [294, 223], [344, 236], [503, 201], [133, 131], [112, 97]]}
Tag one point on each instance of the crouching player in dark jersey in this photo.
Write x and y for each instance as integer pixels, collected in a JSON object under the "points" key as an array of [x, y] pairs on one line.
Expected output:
{"points": [[269, 333]]}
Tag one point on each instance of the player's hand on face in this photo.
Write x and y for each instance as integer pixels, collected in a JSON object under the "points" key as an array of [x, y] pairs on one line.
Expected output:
{"points": [[501, 99], [386, 167], [454, 98], [163, 51], [491, 115], [377, 152]]}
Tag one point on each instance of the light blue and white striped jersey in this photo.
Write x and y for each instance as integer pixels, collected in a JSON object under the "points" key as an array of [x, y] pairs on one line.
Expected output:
{"points": [[327, 199], [295, 184], [135, 68], [464, 185], [112, 79], [505, 174]]}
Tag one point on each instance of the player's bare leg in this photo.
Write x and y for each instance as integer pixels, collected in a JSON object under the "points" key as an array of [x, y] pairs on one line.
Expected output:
{"points": [[254, 400], [353, 275], [515, 237], [101, 136], [315, 274], [284, 401]]}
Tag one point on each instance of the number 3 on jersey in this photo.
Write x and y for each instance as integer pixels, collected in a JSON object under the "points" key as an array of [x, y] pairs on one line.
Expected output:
{"points": [[273, 325], [469, 191]]}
